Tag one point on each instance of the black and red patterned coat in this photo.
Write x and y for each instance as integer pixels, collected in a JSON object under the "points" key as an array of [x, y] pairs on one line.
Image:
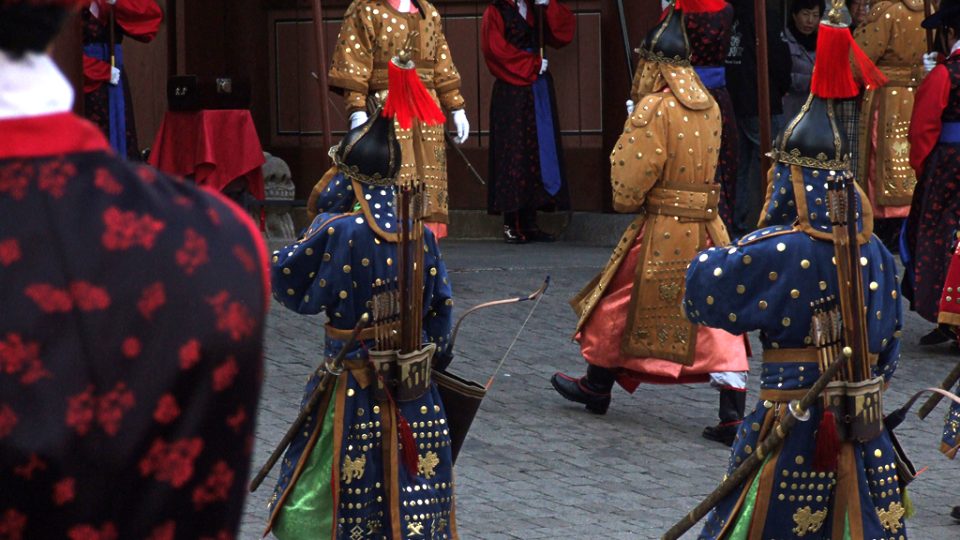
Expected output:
{"points": [[130, 343], [510, 44], [934, 221], [709, 35]]}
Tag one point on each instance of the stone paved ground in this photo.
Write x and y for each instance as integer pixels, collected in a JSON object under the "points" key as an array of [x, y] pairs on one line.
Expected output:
{"points": [[538, 467]]}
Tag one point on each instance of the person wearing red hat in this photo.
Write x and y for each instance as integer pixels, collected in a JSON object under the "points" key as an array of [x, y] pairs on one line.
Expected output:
{"points": [[106, 88], [934, 219], [132, 323]]}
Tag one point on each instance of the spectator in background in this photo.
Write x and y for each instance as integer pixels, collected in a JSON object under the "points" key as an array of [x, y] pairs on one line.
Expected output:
{"points": [[801, 38], [741, 75]]}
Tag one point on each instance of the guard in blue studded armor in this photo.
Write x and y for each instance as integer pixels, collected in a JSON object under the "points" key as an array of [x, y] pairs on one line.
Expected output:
{"points": [[342, 477], [767, 282]]}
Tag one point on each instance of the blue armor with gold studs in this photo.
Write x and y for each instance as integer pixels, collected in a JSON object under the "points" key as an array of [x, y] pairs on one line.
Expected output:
{"points": [[767, 281], [342, 476]]}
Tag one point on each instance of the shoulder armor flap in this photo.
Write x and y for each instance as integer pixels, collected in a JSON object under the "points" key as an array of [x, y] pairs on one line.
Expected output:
{"points": [[648, 107], [763, 234], [878, 10], [913, 5], [687, 87]]}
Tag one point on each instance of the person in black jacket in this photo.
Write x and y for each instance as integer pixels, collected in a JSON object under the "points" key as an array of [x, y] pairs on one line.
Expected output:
{"points": [[742, 83]]}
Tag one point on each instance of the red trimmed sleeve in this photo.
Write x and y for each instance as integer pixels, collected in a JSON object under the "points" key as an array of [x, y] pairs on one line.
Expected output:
{"points": [[505, 61], [561, 24], [95, 73], [925, 123], [139, 19]]}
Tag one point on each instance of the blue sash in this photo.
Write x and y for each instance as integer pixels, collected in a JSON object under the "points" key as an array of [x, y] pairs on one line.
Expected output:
{"points": [[116, 105], [546, 137], [950, 132], [712, 76]]}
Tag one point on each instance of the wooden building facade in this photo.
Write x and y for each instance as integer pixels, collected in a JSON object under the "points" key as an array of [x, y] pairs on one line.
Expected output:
{"points": [[271, 44]]}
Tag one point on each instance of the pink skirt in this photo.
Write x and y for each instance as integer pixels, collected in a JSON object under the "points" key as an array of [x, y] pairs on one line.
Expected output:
{"points": [[439, 229], [601, 335]]}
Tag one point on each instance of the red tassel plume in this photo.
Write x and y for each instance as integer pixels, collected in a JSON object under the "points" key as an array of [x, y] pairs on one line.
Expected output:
{"points": [[408, 99], [827, 450], [832, 72], [410, 456], [701, 6]]}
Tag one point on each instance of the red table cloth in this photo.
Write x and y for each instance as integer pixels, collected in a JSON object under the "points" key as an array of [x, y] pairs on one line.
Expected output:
{"points": [[214, 147]]}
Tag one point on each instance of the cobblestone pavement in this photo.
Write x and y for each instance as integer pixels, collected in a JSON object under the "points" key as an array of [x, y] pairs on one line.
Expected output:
{"points": [[536, 466]]}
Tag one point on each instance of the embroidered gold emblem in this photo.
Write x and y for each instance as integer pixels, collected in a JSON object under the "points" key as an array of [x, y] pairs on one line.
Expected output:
{"points": [[901, 148], [891, 517], [428, 464], [681, 336], [352, 469], [439, 526], [669, 291], [662, 335], [808, 521], [356, 533], [414, 528]]}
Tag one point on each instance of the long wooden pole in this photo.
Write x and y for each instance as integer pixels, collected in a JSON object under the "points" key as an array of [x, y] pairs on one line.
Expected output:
{"points": [[763, 91], [321, 42], [320, 396], [540, 10]]}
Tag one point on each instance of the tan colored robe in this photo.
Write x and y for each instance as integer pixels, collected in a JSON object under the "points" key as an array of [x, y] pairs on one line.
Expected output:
{"points": [[371, 34], [663, 170], [893, 39]]}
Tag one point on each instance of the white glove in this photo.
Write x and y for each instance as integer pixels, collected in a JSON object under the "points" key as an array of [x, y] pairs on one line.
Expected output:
{"points": [[404, 6], [543, 65], [114, 76], [463, 125], [541, 2], [358, 118], [929, 61], [630, 107]]}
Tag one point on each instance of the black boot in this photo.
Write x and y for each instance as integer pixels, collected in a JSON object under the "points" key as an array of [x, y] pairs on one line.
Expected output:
{"points": [[732, 406], [530, 229], [941, 334], [955, 513], [512, 233], [593, 389]]}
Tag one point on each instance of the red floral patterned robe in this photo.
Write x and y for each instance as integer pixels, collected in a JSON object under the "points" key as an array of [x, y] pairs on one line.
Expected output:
{"points": [[130, 343]]}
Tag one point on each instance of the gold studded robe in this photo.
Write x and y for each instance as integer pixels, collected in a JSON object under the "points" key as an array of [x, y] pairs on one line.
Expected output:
{"points": [[895, 42], [663, 170], [371, 34]]}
